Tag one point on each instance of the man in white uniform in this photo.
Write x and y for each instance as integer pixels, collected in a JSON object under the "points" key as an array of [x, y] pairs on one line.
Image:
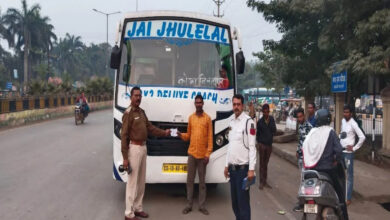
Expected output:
{"points": [[351, 128], [240, 158]]}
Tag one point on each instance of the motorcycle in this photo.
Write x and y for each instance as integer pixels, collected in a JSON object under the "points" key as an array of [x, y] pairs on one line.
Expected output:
{"points": [[319, 197], [78, 114]]}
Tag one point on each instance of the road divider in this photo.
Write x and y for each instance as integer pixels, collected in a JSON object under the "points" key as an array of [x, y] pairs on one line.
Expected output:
{"points": [[19, 118]]}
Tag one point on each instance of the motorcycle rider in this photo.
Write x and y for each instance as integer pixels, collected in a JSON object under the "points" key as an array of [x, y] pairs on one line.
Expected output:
{"points": [[82, 100], [323, 152]]}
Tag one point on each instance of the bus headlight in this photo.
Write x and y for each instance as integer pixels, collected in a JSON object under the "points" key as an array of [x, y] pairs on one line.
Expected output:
{"points": [[219, 140]]}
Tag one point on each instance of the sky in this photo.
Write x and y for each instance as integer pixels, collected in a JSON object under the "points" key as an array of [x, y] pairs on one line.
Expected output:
{"points": [[77, 17]]}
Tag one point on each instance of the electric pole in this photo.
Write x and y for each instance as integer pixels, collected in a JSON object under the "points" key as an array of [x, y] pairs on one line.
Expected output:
{"points": [[107, 47], [218, 3]]}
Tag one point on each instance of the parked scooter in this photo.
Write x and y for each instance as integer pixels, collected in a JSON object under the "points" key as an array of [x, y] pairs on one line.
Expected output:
{"points": [[318, 195]]}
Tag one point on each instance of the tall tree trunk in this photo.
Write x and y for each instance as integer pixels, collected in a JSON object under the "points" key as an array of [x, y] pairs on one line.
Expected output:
{"points": [[25, 64], [48, 64], [25, 60]]}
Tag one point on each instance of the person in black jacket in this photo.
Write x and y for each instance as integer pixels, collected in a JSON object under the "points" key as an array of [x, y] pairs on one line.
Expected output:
{"points": [[266, 129]]}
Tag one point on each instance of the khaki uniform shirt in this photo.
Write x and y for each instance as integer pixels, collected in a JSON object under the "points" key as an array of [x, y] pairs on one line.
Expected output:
{"points": [[135, 127]]}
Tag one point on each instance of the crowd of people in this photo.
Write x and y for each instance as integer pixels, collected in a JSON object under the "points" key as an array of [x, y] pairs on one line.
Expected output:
{"points": [[247, 138]]}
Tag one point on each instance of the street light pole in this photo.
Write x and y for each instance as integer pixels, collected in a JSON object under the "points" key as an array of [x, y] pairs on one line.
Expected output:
{"points": [[106, 14]]}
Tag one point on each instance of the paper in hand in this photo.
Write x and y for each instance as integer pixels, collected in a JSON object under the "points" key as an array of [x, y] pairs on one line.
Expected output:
{"points": [[174, 132]]}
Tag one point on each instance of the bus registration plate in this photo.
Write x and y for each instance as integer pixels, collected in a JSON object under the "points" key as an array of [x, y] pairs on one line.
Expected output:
{"points": [[174, 168]]}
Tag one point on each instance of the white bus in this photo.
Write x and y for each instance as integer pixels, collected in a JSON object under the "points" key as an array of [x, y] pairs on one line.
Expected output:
{"points": [[173, 56]]}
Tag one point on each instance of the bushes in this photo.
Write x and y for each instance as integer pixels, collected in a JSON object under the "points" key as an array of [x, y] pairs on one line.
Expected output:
{"points": [[95, 86], [99, 86]]}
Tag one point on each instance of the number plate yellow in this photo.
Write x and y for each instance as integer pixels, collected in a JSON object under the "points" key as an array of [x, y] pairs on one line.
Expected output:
{"points": [[174, 168]]}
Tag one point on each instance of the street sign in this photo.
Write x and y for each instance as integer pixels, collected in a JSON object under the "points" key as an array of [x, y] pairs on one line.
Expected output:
{"points": [[339, 82], [8, 85], [15, 73]]}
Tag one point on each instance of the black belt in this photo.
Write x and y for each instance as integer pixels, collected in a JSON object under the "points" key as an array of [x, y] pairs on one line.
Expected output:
{"points": [[235, 167]]}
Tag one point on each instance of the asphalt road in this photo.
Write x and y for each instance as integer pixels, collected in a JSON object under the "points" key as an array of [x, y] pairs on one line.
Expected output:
{"points": [[55, 170]]}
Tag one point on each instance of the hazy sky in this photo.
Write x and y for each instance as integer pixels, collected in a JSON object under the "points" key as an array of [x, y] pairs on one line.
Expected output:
{"points": [[77, 17]]}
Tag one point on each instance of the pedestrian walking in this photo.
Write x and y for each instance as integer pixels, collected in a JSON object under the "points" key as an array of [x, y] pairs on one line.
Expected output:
{"points": [[240, 158], [351, 129], [266, 129], [135, 129], [200, 134]]}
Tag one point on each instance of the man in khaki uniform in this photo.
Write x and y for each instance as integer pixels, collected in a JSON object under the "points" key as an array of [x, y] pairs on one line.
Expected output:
{"points": [[135, 130]]}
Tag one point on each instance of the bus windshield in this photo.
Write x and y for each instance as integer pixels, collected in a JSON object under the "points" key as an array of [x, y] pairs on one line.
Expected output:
{"points": [[174, 61]]}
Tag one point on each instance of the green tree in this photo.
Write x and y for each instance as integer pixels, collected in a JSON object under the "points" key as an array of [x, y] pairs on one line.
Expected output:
{"points": [[99, 86], [4, 33], [67, 52], [22, 25], [250, 78], [272, 67], [318, 34]]}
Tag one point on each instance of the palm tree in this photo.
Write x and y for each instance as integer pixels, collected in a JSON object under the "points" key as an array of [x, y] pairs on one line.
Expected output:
{"points": [[4, 33], [43, 40], [67, 51], [22, 25], [49, 38]]}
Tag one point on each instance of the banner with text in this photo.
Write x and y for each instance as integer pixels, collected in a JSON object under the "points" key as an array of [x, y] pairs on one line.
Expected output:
{"points": [[176, 29]]}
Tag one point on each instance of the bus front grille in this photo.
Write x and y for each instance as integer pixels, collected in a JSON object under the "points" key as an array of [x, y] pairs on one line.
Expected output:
{"points": [[168, 146]]}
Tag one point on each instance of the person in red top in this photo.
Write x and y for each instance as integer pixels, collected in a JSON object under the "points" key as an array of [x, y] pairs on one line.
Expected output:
{"points": [[223, 73], [83, 103], [81, 98]]}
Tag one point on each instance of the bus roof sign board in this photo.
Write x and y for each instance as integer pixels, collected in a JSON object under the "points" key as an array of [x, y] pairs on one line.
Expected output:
{"points": [[176, 29], [339, 82]]}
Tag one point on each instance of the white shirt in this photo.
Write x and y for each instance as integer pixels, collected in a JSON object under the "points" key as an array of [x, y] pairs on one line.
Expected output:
{"points": [[352, 129], [237, 153]]}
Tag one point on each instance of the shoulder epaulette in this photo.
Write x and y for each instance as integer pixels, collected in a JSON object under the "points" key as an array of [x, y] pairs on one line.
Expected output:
{"points": [[128, 109]]}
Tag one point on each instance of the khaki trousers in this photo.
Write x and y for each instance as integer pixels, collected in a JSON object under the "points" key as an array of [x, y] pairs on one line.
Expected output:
{"points": [[135, 187], [194, 164]]}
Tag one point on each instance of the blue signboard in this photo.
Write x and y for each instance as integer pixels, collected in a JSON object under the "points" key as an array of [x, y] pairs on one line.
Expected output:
{"points": [[339, 82], [9, 85]]}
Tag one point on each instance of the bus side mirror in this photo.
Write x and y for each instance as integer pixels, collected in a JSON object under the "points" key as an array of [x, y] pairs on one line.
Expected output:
{"points": [[115, 57], [240, 62]]}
